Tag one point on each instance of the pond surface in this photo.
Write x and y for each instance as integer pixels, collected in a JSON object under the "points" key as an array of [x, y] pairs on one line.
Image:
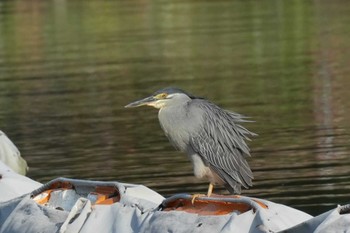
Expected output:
{"points": [[67, 68]]}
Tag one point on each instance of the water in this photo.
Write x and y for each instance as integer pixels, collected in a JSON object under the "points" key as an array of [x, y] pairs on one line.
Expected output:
{"points": [[67, 68]]}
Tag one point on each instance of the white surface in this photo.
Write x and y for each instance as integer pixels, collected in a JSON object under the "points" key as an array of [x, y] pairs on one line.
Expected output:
{"points": [[63, 199], [335, 222], [10, 155], [13, 185], [332, 221], [137, 211], [77, 216]]}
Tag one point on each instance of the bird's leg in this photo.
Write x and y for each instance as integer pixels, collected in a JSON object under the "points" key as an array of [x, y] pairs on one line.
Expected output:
{"points": [[195, 196], [210, 191]]}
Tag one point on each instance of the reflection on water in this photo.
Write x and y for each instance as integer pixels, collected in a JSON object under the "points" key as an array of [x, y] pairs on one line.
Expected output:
{"points": [[67, 68]]}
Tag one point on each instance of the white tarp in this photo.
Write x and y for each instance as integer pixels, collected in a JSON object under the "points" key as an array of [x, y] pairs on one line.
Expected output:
{"points": [[333, 221], [138, 210], [135, 208], [10, 155], [13, 185]]}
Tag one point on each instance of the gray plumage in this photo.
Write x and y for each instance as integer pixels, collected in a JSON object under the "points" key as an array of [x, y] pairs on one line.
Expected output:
{"points": [[212, 137]]}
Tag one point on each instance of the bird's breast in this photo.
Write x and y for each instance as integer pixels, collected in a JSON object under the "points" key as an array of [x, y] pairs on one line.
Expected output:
{"points": [[176, 124]]}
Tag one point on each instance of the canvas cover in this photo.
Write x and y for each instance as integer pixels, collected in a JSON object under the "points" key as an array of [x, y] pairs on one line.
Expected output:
{"points": [[136, 209]]}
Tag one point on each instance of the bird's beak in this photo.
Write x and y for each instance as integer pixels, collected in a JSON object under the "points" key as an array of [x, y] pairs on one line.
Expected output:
{"points": [[142, 102]]}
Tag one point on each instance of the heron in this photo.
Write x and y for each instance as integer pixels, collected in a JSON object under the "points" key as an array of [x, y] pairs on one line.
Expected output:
{"points": [[212, 137]]}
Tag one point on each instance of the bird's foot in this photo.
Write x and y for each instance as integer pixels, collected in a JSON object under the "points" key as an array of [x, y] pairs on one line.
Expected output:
{"points": [[195, 196]]}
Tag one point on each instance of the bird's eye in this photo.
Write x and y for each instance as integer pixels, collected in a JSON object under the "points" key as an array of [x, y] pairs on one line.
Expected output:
{"points": [[162, 96]]}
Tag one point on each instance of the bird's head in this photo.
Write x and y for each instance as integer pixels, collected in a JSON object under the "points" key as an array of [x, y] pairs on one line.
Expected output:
{"points": [[162, 98]]}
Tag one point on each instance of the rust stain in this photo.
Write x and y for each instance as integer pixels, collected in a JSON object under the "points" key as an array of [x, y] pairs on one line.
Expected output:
{"points": [[211, 207]]}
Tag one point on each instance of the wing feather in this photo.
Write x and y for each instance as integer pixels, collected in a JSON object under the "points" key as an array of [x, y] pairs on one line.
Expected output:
{"points": [[220, 142]]}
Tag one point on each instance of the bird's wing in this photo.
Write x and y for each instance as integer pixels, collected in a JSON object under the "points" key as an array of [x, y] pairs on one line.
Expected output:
{"points": [[220, 141]]}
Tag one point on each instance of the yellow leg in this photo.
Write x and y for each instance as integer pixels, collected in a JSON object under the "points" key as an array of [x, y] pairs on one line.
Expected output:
{"points": [[194, 196], [210, 189]]}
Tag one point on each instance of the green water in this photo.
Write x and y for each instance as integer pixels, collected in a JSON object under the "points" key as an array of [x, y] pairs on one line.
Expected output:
{"points": [[67, 68]]}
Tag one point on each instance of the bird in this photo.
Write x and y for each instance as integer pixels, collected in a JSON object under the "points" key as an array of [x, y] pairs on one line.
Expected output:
{"points": [[213, 138]]}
